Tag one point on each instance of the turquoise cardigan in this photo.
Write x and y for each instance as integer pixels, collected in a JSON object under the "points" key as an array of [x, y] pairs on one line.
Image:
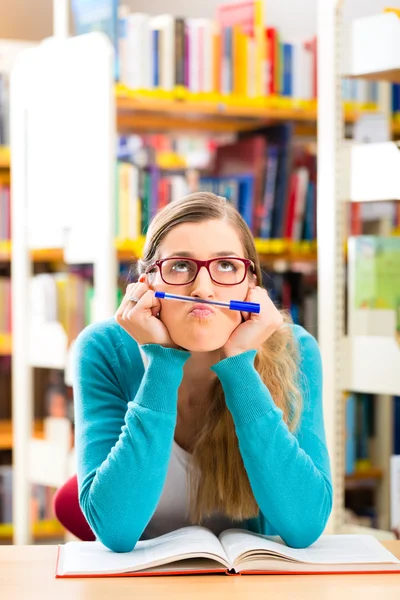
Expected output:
{"points": [[125, 419]]}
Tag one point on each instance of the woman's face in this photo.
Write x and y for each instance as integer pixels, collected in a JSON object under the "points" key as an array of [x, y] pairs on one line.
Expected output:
{"points": [[201, 331]]}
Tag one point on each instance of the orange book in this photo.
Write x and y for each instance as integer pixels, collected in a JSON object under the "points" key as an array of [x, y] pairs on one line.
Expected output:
{"points": [[249, 15], [196, 550], [217, 62]]}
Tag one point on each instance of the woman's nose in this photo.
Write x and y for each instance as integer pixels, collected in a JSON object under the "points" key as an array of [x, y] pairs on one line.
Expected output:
{"points": [[203, 285]]}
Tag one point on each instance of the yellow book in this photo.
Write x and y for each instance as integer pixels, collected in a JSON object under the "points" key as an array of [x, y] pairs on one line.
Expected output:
{"points": [[259, 35], [236, 31], [244, 89], [396, 11], [216, 61], [124, 169], [61, 285], [278, 65]]}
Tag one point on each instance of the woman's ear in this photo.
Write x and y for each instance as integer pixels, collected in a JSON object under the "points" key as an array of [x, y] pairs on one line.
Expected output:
{"points": [[253, 281]]}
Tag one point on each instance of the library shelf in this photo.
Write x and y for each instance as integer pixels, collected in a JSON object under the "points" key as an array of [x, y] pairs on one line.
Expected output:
{"points": [[158, 111], [41, 530], [370, 364], [4, 157], [5, 344], [363, 479], [379, 60], [366, 160], [6, 441], [302, 251]]}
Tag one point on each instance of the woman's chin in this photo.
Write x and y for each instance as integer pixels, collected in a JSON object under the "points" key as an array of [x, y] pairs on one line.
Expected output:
{"points": [[199, 345]]}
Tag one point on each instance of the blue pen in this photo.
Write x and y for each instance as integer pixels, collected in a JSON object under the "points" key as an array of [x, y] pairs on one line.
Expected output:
{"points": [[251, 307]]}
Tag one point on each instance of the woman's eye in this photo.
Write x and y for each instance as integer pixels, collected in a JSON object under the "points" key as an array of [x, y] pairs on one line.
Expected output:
{"points": [[226, 266], [180, 266]]}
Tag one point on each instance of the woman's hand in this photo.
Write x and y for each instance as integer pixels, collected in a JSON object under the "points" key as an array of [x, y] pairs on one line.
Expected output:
{"points": [[257, 328], [140, 320]]}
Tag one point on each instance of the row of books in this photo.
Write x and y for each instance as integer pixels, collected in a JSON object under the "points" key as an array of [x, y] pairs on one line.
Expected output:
{"points": [[374, 285], [4, 110], [65, 297], [5, 211], [5, 305], [360, 431], [41, 499], [296, 292], [374, 218], [270, 180], [235, 54], [68, 298]]}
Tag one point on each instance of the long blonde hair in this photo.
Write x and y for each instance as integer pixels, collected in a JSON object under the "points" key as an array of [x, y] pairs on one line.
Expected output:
{"points": [[218, 479]]}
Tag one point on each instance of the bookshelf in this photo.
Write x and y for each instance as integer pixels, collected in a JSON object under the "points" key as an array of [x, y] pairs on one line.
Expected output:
{"points": [[6, 441], [4, 157], [368, 364], [99, 110], [5, 344], [153, 111]]}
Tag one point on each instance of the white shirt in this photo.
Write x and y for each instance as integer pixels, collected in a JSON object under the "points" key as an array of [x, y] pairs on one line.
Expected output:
{"points": [[172, 511]]}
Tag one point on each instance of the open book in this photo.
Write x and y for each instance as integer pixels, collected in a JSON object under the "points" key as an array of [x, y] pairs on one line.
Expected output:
{"points": [[193, 550]]}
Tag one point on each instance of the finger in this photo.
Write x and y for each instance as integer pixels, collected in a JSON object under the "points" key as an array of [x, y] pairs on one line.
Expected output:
{"points": [[135, 290], [148, 301], [257, 296]]}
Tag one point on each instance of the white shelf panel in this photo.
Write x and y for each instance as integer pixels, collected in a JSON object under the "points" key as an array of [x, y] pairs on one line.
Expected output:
{"points": [[47, 345], [379, 534], [375, 48], [48, 463], [371, 364], [374, 172]]}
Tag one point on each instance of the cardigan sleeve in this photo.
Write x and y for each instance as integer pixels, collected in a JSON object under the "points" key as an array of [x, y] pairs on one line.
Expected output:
{"points": [[123, 447], [288, 473]]}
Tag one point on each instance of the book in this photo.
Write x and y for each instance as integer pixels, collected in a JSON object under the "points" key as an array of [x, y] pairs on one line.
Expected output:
{"points": [[374, 284], [194, 550], [98, 15]]}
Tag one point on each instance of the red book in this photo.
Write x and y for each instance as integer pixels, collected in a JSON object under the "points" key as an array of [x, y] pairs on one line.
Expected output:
{"points": [[247, 156], [271, 38], [291, 208], [311, 46]]}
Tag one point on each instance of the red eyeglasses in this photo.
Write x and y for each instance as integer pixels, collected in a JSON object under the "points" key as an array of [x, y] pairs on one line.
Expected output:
{"points": [[182, 271]]}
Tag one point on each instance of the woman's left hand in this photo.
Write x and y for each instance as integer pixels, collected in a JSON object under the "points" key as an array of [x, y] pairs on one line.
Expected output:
{"points": [[257, 328]]}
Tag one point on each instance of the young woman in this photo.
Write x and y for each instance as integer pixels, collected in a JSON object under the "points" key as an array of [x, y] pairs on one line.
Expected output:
{"points": [[196, 414]]}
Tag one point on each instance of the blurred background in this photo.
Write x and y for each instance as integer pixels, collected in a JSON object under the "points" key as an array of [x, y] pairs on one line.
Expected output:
{"points": [[111, 109]]}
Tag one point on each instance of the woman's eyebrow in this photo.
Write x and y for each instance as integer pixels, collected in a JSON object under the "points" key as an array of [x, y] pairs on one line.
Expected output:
{"points": [[191, 255]]}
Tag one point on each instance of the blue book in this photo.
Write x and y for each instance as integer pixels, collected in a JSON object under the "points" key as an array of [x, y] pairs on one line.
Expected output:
{"points": [[227, 78], [281, 136], [242, 186], [396, 425], [269, 192], [98, 15], [156, 66], [309, 213], [396, 97], [350, 450], [287, 70]]}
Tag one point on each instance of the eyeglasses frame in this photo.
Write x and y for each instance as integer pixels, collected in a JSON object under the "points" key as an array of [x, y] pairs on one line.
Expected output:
{"points": [[202, 263]]}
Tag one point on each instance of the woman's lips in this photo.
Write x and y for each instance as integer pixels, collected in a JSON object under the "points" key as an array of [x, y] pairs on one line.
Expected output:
{"points": [[202, 310]]}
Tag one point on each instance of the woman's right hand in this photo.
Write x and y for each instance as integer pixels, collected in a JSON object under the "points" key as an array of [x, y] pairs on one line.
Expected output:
{"points": [[140, 320]]}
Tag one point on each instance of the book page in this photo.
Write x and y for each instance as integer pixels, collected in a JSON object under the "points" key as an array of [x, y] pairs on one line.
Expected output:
{"points": [[188, 542], [328, 549]]}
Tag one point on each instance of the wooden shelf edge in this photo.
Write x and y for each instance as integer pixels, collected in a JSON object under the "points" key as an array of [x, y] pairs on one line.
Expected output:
{"points": [[4, 157], [5, 344], [373, 473], [41, 530], [131, 250], [6, 436]]}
